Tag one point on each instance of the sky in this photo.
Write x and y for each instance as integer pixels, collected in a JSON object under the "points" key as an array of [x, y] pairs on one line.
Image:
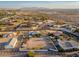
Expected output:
{"points": [[45, 4]]}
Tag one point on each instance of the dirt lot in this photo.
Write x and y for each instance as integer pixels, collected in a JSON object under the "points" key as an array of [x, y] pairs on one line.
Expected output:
{"points": [[35, 43]]}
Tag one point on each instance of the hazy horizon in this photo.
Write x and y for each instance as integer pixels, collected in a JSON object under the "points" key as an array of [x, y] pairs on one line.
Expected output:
{"points": [[43, 4]]}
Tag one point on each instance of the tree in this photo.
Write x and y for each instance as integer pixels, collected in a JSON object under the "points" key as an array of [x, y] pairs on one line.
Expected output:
{"points": [[77, 30], [61, 37], [50, 34], [30, 54]]}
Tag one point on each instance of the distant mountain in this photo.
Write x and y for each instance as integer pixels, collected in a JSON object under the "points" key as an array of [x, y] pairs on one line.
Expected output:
{"points": [[47, 10], [37, 9], [34, 8]]}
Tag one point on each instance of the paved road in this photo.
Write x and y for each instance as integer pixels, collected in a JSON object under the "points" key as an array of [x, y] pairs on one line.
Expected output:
{"points": [[69, 32], [9, 53]]}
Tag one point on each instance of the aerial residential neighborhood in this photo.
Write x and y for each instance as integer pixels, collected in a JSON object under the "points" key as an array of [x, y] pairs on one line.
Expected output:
{"points": [[39, 32]]}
